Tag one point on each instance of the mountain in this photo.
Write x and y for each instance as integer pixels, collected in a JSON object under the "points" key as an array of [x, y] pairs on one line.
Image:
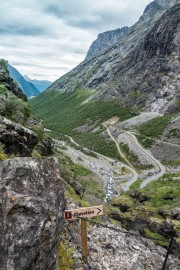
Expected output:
{"points": [[141, 69], [140, 73], [40, 85], [31, 191], [27, 87], [123, 103], [105, 40]]}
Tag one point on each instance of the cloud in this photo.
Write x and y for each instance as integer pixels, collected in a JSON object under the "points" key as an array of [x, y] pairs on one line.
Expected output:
{"points": [[45, 39]]}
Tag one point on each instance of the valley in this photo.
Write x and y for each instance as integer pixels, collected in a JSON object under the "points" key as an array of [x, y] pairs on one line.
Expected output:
{"points": [[105, 134]]}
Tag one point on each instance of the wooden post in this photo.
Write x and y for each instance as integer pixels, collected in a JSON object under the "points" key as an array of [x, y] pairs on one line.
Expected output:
{"points": [[84, 239]]}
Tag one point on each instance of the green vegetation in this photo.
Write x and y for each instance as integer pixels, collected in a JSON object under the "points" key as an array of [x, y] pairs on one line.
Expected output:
{"points": [[154, 127], [3, 64], [146, 142], [133, 158], [35, 154], [136, 184], [174, 133], [65, 259], [39, 130], [95, 142], [79, 170], [3, 90], [83, 186], [3, 155], [171, 162], [64, 112], [156, 238], [16, 109], [130, 155], [153, 205], [166, 186]]}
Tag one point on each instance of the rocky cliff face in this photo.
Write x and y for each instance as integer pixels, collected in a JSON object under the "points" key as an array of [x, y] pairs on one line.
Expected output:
{"points": [[105, 40], [31, 213], [31, 191], [141, 69]]}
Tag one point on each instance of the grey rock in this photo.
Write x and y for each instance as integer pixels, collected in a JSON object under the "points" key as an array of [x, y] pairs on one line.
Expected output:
{"points": [[17, 139], [176, 213], [105, 40], [139, 69], [31, 213]]}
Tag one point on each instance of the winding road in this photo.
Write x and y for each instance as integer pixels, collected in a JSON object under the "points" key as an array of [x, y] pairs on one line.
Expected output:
{"points": [[134, 173], [125, 186], [161, 170]]}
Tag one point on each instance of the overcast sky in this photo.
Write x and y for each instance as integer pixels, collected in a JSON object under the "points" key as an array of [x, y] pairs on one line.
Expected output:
{"points": [[44, 39]]}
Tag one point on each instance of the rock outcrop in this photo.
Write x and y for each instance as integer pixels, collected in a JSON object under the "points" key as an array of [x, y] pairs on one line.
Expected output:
{"points": [[31, 214], [8, 82], [105, 40], [17, 139], [31, 190], [114, 248]]}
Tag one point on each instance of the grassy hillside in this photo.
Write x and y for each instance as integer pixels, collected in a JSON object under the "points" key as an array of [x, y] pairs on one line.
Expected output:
{"points": [[153, 205], [65, 112]]}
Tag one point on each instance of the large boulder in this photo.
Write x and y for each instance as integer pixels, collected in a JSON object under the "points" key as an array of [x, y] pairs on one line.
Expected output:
{"points": [[16, 138], [31, 213]]}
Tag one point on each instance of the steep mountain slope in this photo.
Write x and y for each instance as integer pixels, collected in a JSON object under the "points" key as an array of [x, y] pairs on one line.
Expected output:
{"points": [[27, 87], [31, 191], [141, 69], [105, 40], [40, 85]]}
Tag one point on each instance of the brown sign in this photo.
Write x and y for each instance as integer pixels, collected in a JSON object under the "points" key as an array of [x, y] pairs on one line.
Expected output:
{"points": [[85, 212]]}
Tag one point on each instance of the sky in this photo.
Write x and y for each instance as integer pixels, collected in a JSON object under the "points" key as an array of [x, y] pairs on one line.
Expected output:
{"points": [[46, 39]]}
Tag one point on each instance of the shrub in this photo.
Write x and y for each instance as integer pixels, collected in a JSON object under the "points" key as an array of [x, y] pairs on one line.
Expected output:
{"points": [[65, 261], [3, 90], [17, 109], [3, 155]]}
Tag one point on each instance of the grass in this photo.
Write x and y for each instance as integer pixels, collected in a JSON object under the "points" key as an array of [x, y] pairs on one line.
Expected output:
{"points": [[64, 112], [16, 109], [165, 186], [162, 197], [95, 142], [65, 259], [146, 142], [133, 158], [82, 186], [154, 128], [156, 238], [3, 155], [79, 170], [136, 184]]}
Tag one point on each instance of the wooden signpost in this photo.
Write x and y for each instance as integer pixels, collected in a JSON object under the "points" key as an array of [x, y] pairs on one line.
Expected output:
{"points": [[82, 213]]}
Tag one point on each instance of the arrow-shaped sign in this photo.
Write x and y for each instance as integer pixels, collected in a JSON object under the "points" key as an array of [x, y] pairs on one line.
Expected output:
{"points": [[85, 212], [99, 211]]}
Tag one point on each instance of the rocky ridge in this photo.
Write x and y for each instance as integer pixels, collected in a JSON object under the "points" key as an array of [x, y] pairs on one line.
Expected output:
{"points": [[105, 40], [141, 69], [31, 190]]}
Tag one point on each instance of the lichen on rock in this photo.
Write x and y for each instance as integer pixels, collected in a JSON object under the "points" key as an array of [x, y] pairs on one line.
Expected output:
{"points": [[31, 213]]}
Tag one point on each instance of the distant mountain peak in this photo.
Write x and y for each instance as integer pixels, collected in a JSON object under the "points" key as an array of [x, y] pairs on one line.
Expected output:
{"points": [[28, 88], [41, 85], [105, 40]]}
